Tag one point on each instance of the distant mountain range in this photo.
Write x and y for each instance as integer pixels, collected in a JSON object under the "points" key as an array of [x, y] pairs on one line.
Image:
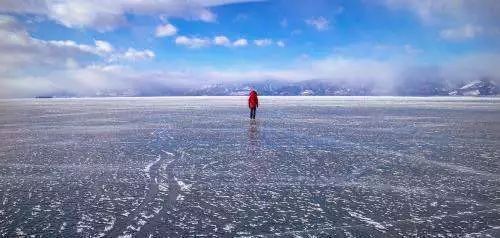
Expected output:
{"points": [[277, 88], [410, 87], [482, 87]]}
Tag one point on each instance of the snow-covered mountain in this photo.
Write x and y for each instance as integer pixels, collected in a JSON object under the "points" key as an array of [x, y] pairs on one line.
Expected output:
{"points": [[421, 87], [477, 88], [323, 88], [278, 88]]}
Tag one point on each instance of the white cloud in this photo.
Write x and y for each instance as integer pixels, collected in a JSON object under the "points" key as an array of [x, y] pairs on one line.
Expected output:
{"points": [[100, 48], [165, 30], [89, 80], [240, 42], [105, 15], [222, 41], [263, 42], [134, 55], [23, 53], [319, 23], [472, 67], [24, 6], [467, 31], [192, 42], [280, 43], [458, 19], [383, 74], [20, 49], [104, 46]]}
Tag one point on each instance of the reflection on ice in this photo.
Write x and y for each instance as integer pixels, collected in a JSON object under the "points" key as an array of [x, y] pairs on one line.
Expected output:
{"points": [[253, 137]]}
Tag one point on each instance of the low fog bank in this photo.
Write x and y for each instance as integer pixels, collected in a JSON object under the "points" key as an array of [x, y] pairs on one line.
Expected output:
{"points": [[330, 76]]}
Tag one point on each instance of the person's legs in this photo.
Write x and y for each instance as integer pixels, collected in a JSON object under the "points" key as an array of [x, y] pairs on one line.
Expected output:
{"points": [[252, 113]]}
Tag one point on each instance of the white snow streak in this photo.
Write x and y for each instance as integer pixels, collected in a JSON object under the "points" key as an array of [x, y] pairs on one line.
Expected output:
{"points": [[147, 169], [367, 220]]}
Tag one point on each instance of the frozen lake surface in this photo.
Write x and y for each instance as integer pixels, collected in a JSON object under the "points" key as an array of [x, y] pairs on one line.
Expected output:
{"points": [[308, 166]]}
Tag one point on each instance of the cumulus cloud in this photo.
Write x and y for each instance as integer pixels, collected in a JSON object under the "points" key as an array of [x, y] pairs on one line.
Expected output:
{"points": [[19, 49], [100, 48], [24, 6], [263, 42], [319, 23], [165, 30], [192, 42], [104, 46], [133, 55], [22, 53], [139, 54], [222, 41], [105, 15], [240, 42]]}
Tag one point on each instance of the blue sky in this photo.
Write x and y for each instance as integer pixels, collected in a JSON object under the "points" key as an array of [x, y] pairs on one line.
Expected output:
{"points": [[87, 46]]}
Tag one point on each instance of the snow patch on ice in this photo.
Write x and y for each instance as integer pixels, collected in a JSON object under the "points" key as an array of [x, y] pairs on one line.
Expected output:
{"points": [[184, 186], [20, 232], [367, 220], [163, 187], [147, 169], [63, 227], [110, 224], [179, 197], [157, 209], [168, 153], [36, 210], [229, 227], [141, 222], [130, 227], [482, 233], [145, 216]]}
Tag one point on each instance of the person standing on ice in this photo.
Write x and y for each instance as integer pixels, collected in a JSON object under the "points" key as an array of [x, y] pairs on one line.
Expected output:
{"points": [[253, 103]]}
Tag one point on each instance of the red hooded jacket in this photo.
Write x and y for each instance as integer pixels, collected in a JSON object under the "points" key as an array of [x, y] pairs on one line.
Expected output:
{"points": [[253, 101]]}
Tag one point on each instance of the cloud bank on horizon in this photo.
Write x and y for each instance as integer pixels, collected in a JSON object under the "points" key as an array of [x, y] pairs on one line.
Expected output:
{"points": [[82, 47]]}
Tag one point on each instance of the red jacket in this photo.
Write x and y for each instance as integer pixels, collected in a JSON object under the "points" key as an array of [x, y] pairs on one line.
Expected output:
{"points": [[253, 101]]}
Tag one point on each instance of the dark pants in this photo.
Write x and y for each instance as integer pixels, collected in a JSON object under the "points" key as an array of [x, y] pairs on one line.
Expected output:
{"points": [[252, 112]]}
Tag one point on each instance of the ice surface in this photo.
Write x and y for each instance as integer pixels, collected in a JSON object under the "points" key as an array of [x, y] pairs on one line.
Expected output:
{"points": [[308, 166]]}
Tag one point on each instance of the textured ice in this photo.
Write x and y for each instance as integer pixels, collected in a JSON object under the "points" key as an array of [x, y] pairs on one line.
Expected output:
{"points": [[308, 166]]}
